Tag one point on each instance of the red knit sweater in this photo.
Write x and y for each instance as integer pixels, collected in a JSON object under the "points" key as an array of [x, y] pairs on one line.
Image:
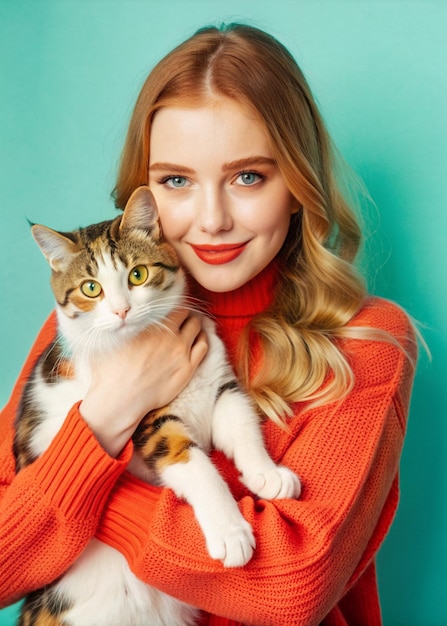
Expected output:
{"points": [[315, 557]]}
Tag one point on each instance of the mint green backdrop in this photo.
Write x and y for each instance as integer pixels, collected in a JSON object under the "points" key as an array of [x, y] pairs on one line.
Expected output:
{"points": [[70, 72]]}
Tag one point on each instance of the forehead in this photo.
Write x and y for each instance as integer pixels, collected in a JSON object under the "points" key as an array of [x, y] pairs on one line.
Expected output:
{"points": [[222, 129]]}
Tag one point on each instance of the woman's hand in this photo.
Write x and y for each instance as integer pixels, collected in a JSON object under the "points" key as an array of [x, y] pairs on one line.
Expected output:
{"points": [[146, 374]]}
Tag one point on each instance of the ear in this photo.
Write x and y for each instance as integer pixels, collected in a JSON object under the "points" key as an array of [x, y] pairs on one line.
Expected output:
{"points": [[141, 212], [57, 248]]}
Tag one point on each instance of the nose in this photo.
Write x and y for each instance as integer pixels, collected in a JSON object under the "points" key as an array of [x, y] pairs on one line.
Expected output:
{"points": [[214, 212], [122, 312], [119, 306]]}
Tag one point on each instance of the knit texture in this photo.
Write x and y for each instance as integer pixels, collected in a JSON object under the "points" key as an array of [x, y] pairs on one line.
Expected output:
{"points": [[315, 557]]}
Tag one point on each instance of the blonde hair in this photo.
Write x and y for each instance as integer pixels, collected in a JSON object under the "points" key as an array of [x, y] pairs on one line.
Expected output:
{"points": [[319, 289]]}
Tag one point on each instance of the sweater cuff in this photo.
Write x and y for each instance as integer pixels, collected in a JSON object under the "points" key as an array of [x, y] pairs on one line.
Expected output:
{"points": [[126, 521], [75, 472]]}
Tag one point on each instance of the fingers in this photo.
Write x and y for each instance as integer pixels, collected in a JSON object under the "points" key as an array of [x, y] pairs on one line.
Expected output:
{"points": [[189, 327], [199, 349], [175, 319], [194, 339], [146, 373]]}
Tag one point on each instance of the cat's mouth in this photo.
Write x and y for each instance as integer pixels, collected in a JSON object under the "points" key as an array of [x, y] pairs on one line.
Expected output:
{"points": [[121, 324], [114, 325]]}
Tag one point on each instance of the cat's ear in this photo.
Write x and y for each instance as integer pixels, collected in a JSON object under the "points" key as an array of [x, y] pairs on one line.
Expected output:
{"points": [[56, 247], [141, 212]]}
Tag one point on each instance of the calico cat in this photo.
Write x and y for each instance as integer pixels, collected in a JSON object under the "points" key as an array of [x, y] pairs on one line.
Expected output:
{"points": [[111, 281]]}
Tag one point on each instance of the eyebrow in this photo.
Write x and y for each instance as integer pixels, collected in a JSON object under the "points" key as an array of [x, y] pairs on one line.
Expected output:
{"points": [[170, 167], [238, 164], [241, 164]]}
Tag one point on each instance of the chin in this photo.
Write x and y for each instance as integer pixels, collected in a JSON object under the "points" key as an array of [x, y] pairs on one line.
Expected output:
{"points": [[226, 282], [218, 278], [219, 287]]}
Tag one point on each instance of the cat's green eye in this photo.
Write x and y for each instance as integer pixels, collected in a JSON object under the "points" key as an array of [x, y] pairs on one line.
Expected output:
{"points": [[138, 275], [91, 288]]}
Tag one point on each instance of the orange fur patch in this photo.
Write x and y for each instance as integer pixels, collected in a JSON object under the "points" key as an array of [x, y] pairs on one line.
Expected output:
{"points": [[165, 444], [44, 618], [65, 369]]}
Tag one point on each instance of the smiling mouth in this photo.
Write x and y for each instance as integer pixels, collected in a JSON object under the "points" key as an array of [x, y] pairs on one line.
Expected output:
{"points": [[220, 254]]}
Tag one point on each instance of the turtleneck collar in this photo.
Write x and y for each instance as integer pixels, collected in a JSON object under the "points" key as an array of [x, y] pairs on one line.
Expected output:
{"points": [[246, 301]]}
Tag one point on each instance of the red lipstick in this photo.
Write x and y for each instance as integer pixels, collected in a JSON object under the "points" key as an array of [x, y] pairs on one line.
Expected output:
{"points": [[220, 254]]}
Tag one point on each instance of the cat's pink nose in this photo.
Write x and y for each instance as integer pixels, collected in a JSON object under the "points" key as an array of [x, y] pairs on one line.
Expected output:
{"points": [[122, 313]]}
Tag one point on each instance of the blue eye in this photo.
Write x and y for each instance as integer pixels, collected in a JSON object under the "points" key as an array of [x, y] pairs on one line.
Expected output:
{"points": [[249, 178], [175, 181]]}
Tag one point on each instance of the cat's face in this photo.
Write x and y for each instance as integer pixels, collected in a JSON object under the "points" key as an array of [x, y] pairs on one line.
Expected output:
{"points": [[112, 280]]}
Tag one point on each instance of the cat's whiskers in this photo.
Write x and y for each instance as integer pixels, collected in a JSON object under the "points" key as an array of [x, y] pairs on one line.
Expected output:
{"points": [[166, 304], [52, 348], [63, 355], [86, 346], [106, 333], [152, 310]]}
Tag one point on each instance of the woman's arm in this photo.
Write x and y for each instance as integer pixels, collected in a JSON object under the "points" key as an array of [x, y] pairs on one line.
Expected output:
{"points": [[50, 510], [309, 552]]}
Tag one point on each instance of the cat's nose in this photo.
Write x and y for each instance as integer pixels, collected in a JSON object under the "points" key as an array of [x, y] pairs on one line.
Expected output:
{"points": [[122, 313]]}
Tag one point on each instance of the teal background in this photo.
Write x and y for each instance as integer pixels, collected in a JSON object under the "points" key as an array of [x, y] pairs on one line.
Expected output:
{"points": [[69, 74]]}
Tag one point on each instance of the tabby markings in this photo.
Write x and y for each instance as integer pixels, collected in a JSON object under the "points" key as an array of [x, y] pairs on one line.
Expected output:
{"points": [[43, 610], [163, 440]]}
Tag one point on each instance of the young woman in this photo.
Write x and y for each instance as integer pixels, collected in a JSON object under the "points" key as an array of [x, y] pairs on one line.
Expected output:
{"points": [[228, 137]]}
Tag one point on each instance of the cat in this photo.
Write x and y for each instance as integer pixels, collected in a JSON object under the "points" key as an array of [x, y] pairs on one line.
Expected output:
{"points": [[97, 273]]}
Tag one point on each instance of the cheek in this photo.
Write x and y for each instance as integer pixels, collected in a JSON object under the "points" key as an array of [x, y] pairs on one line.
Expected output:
{"points": [[286, 204], [76, 306], [270, 215], [174, 224], [85, 304], [273, 225]]}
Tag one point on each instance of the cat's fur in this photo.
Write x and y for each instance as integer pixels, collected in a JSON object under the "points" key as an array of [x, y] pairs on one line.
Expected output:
{"points": [[173, 441]]}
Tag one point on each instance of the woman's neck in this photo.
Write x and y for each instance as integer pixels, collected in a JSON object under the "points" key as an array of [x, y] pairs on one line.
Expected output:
{"points": [[233, 310], [246, 301]]}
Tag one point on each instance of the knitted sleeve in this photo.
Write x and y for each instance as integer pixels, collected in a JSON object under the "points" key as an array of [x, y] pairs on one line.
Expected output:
{"points": [[309, 552], [50, 510]]}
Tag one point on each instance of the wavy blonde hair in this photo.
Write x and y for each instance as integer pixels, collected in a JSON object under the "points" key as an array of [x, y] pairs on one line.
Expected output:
{"points": [[319, 289]]}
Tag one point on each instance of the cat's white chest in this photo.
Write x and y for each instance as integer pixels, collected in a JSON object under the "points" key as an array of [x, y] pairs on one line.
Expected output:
{"points": [[55, 401], [196, 403]]}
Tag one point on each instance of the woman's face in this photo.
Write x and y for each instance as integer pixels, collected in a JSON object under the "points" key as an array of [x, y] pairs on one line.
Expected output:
{"points": [[222, 200]]}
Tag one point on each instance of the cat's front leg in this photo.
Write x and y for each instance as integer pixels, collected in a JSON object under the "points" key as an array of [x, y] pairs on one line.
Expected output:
{"points": [[229, 537], [170, 453], [273, 483], [237, 432]]}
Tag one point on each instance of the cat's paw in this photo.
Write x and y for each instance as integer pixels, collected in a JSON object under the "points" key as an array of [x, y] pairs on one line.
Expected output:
{"points": [[276, 482], [233, 543]]}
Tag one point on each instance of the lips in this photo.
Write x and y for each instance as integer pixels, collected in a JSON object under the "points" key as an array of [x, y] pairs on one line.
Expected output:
{"points": [[220, 254]]}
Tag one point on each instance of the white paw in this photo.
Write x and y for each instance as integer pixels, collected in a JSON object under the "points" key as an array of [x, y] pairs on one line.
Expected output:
{"points": [[231, 543], [277, 482]]}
